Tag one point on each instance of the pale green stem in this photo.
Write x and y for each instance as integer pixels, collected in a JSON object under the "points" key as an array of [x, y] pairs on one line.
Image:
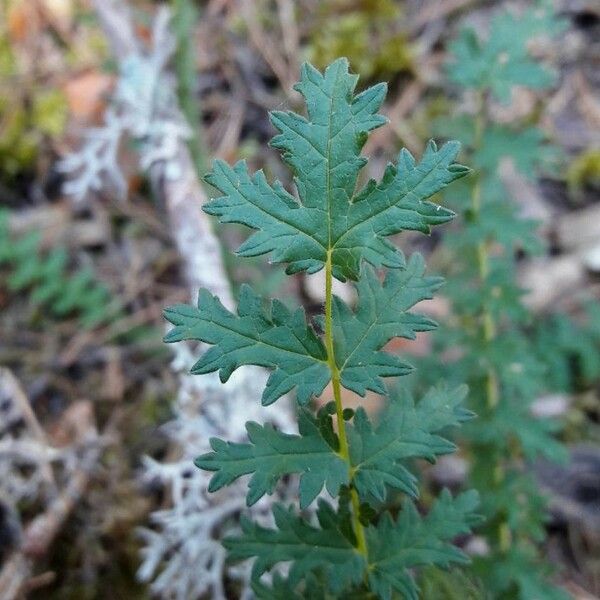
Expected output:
{"points": [[344, 450], [492, 387]]}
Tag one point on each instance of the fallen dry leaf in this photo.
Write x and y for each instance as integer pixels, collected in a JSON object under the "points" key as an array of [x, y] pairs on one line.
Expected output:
{"points": [[86, 94], [22, 20]]}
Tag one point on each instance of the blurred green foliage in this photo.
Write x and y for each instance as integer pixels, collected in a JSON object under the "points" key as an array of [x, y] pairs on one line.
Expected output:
{"points": [[46, 278], [436, 584], [503, 60], [569, 349], [488, 333]]}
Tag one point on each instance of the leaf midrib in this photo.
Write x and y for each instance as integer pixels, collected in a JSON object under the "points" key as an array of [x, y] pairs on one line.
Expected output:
{"points": [[259, 341], [328, 161], [278, 454]]}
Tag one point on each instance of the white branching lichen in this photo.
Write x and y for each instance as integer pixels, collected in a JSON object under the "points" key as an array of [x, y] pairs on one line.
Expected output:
{"points": [[182, 557], [47, 479], [143, 109]]}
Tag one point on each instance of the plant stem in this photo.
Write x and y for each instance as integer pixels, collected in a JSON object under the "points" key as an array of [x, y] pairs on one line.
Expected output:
{"points": [[492, 386], [488, 323], [344, 450]]}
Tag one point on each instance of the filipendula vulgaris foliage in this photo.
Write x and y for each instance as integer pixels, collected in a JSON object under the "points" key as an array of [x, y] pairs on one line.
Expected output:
{"points": [[496, 357], [570, 349], [25, 266], [350, 548]]}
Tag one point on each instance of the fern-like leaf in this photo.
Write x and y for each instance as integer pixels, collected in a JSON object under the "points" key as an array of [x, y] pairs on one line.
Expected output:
{"points": [[381, 315], [411, 541], [394, 546], [282, 340], [277, 338], [271, 455], [329, 218], [503, 60], [46, 276], [333, 224], [406, 430], [306, 547]]}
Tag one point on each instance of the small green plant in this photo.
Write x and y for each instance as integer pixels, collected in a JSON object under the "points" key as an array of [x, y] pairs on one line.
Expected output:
{"points": [[495, 354], [354, 549], [569, 349], [46, 276]]}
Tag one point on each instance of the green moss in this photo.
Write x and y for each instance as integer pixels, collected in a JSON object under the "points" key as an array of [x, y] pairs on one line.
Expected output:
{"points": [[49, 112], [367, 32], [584, 171], [30, 113], [7, 60], [23, 127]]}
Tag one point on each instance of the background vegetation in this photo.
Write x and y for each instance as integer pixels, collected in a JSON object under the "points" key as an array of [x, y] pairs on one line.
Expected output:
{"points": [[90, 254]]}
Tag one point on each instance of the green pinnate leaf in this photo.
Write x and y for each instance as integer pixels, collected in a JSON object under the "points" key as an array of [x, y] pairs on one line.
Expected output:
{"points": [[394, 546], [519, 573], [282, 340], [397, 203], [331, 222], [535, 584], [330, 218], [27, 268], [491, 322], [270, 455], [282, 589], [277, 338], [457, 584], [382, 314], [52, 284], [413, 541], [527, 147], [405, 430], [74, 290], [313, 587], [308, 548], [323, 150]]}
